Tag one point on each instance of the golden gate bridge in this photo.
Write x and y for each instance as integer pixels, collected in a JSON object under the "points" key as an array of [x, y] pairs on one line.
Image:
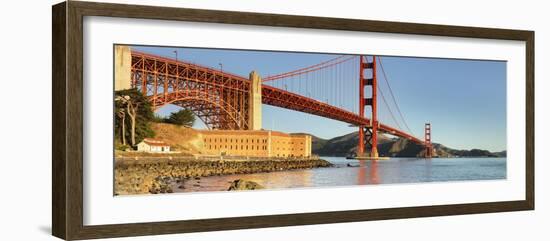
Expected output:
{"points": [[340, 89]]}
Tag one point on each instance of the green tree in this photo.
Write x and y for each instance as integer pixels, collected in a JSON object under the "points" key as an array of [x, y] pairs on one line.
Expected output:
{"points": [[133, 112], [159, 119], [182, 117]]}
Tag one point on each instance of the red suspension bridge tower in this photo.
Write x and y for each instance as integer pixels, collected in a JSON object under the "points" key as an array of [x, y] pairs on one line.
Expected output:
{"points": [[368, 135], [428, 140]]}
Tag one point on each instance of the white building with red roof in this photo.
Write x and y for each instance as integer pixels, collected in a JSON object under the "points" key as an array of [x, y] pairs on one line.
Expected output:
{"points": [[153, 145]]}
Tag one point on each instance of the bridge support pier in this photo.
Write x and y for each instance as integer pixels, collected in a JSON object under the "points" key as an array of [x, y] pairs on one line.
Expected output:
{"points": [[368, 135], [255, 102], [123, 67]]}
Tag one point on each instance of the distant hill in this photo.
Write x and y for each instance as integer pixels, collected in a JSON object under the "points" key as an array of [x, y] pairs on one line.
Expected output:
{"points": [[500, 153], [390, 146]]}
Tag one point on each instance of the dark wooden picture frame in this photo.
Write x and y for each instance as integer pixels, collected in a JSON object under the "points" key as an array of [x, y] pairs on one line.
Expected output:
{"points": [[67, 137]]}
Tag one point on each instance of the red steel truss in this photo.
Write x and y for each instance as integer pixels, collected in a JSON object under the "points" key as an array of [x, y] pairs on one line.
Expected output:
{"points": [[220, 99]]}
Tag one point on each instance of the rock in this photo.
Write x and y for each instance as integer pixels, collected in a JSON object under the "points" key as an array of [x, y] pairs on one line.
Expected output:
{"points": [[158, 176], [241, 184]]}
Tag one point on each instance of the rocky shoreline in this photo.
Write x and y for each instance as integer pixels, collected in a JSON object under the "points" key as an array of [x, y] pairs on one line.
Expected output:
{"points": [[157, 176]]}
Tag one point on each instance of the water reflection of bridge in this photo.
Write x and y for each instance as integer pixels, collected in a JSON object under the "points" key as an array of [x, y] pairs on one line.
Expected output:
{"points": [[373, 175]]}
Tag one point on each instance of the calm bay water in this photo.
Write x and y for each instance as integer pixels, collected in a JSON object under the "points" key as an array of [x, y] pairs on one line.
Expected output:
{"points": [[355, 172]]}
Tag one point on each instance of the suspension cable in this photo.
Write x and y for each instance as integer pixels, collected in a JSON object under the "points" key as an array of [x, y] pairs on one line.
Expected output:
{"points": [[312, 68], [392, 95]]}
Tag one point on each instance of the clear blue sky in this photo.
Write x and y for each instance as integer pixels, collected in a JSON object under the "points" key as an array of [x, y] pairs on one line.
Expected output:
{"points": [[464, 100]]}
